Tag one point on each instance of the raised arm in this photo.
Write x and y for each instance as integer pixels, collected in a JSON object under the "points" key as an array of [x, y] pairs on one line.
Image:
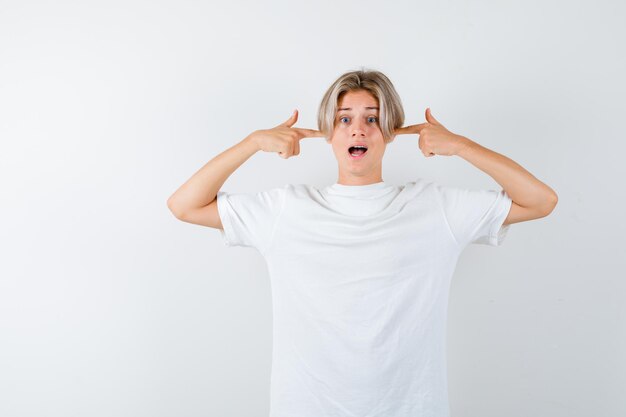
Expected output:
{"points": [[532, 199], [195, 201]]}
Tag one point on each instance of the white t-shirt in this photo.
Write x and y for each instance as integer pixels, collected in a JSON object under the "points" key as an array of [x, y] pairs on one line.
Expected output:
{"points": [[359, 278]]}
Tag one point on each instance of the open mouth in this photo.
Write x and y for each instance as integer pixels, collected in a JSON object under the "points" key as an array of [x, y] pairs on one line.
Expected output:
{"points": [[357, 151]]}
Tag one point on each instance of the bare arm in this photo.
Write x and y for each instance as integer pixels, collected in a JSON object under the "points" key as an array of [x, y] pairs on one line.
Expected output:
{"points": [[195, 201], [201, 189], [532, 199]]}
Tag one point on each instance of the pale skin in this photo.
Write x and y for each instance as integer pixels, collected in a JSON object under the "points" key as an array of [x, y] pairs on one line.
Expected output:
{"points": [[195, 201]]}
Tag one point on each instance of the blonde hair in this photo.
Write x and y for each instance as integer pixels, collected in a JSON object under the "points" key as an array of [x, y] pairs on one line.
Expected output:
{"points": [[391, 113]]}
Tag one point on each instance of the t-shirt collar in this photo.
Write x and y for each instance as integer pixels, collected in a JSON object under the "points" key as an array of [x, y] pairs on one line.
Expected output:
{"points": [[358, 190]]}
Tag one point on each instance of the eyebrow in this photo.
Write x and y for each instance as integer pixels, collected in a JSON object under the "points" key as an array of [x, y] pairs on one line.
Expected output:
{"points": [[350, 108]]}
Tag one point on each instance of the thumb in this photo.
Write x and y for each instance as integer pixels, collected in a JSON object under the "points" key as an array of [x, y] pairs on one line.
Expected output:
{"points": [[430, 118], [292, 119]]}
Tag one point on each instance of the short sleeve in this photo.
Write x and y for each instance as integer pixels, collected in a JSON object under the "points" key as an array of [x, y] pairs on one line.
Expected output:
{"points": [[249, 219], [475, 216]]}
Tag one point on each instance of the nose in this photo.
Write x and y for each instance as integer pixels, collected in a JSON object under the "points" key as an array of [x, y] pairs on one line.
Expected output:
{"points": [[357, 129]]}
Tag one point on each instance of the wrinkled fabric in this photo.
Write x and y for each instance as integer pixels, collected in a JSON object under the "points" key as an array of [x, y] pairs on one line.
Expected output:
{"points": [[360, 277]]}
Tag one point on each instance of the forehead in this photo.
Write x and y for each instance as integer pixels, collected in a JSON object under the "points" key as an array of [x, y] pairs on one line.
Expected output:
{"points": [[357, 100]]}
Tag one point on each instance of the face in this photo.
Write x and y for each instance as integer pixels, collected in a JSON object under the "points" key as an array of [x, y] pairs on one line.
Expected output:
{"points": [[356, 121]]}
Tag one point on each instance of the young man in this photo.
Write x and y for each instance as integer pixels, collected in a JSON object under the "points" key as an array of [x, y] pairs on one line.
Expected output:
{"points": [[360, 270]]}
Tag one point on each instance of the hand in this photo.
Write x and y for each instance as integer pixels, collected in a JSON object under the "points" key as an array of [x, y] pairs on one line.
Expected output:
{"points": [[283, 138], [434, 138]]}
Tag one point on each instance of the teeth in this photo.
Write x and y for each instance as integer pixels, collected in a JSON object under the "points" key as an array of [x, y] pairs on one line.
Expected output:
{"points": [[364, 148]]}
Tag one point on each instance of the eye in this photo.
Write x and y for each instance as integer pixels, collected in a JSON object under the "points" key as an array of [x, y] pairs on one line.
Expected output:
{"points": [[373, 117], [343, 117]]}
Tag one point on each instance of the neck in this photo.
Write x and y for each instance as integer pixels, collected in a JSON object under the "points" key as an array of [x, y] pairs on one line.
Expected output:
{"points": [[347, 179]]}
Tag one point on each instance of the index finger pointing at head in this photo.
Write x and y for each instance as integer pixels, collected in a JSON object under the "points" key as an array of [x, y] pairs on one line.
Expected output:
{"points": [[401, 131], [411, 129], [310, 133]]}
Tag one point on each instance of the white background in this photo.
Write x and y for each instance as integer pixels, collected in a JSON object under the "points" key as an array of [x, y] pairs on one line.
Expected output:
{"points": [[110, 306]]}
